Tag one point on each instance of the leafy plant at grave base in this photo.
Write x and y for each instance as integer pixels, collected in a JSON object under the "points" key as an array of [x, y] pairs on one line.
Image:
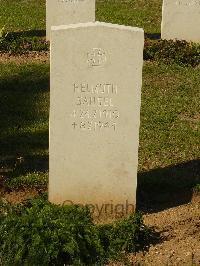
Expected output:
{"points": [[127, 235], [180, 52], [40, 233], [197, 188], [36, 180]]}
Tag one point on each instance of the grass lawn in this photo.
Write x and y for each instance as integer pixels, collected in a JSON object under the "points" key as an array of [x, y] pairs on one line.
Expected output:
{"points": [[169, 116], [136, 13], [22, 15], [24, 93], [29, 15], [24, 115]]}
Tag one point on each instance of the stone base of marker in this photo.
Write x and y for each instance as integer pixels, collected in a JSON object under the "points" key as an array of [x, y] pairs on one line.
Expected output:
{"points": [[95, 116], [64, 12], [181, 20]]}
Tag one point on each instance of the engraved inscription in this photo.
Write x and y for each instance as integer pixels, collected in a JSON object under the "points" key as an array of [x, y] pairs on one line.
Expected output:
{"points": [[99, 88], [94, 125], [70, 1], [97, 57], [94, 107], [94, 101], [187, 3], [96, 113]]}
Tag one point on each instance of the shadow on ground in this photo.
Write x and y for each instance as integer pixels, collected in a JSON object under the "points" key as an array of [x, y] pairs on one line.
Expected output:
{"points": [[27, 33], [153, 36], [168, 187], [24, 94], [23, 165], [24, 113], [24, 144]]}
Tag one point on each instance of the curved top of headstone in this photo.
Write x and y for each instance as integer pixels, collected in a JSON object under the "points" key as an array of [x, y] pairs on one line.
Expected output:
{"points": [[97, 24]]}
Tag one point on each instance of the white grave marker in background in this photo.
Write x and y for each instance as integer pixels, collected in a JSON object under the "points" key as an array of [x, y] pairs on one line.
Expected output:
{"points": [[96, 78], [181, 20], [64, 12]]}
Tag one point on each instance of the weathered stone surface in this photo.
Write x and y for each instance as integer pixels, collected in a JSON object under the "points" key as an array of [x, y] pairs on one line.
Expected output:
{"points": [[181, 20], [96, 77], [64, 12]]}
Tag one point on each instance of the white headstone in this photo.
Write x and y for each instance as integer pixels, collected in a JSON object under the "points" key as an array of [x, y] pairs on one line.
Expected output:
{"points": [[64, 12], [96, 78], [181, 20]]}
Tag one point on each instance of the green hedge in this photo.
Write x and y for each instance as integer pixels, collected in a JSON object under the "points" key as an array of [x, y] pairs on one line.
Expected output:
{"points": [[180, 52], [20, 45], [40, 233]]}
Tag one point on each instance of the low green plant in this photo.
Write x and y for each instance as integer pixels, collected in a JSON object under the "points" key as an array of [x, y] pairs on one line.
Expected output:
{"points": [[40, 233], [197, 188], [36, 180], [20, 45], [180, 52], [126, 235]]}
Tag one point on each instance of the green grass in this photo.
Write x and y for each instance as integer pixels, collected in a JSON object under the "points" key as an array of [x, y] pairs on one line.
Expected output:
{"points": [[29, 15], [137, 13], [24, 115], [22, 15], [24, 93], [169, 132], [169, 115], [170, 96]]}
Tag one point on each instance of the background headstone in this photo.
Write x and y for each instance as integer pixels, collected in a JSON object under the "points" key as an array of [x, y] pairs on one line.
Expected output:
{"points": [[96, 77], [64, 12], [181, 20]]}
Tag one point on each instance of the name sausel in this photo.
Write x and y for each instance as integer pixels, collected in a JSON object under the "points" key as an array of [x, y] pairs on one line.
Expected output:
{"points": [[95, 95]]}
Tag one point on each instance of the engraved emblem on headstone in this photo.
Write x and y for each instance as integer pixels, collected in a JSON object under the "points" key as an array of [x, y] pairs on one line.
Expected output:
{"points": [[97, 57]]}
